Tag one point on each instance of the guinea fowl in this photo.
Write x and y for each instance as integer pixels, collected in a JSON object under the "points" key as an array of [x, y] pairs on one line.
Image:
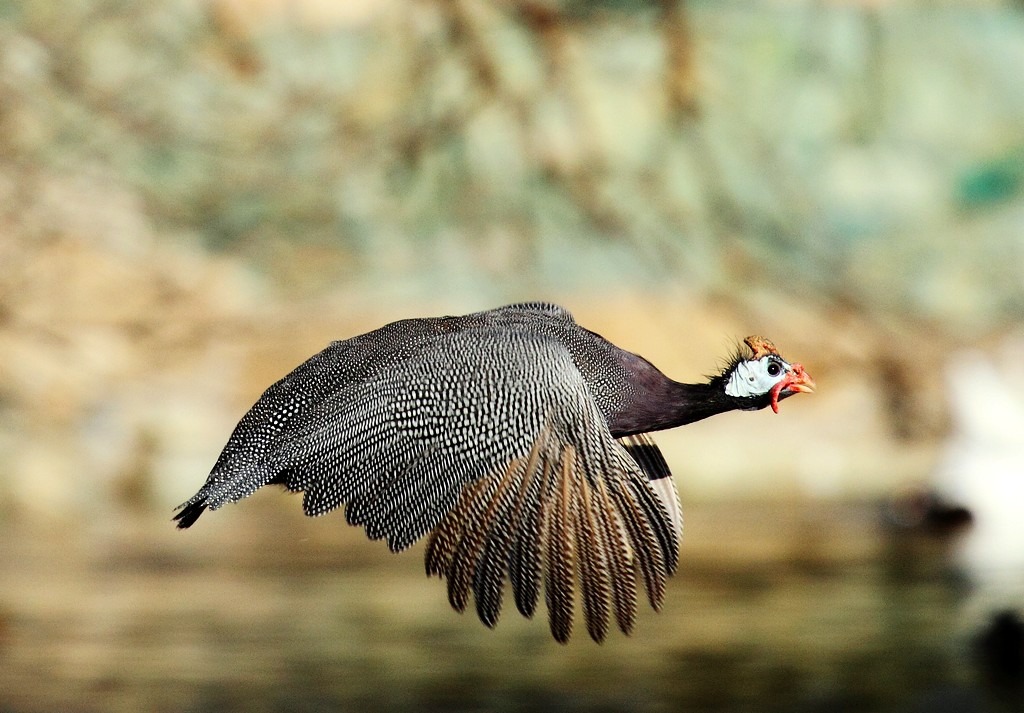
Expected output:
{"points": [[515, 437]]}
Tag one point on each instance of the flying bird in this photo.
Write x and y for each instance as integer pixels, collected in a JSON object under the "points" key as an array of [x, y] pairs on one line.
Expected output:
{"points": [[516, 439]]}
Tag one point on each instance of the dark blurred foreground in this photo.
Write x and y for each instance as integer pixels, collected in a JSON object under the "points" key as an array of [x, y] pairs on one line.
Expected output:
{"points": [[776, 608]]}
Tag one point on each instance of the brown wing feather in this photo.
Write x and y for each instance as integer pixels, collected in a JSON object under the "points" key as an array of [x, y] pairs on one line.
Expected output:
{"points": [[594, 573], [463, 565], [489, 577], [559, 547], [645, 542], [621, 563], [524, 560], [555, 517], [444, 539]]}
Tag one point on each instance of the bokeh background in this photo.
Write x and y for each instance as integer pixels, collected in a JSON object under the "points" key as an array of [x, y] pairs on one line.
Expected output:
{"points": [[196, 195]]}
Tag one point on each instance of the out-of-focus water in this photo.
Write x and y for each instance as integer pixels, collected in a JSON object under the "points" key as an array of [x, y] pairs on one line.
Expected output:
{"points": [[775, 608]]}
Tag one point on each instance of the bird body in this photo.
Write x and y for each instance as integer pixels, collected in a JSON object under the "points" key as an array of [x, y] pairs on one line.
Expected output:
{"points": [[514, 436]]}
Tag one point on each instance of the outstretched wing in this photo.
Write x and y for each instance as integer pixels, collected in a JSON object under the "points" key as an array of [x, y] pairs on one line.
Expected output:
{"points": [[490, 439]]}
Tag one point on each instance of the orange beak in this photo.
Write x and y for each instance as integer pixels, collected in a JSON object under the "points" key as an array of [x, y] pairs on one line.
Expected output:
{"points": [[799, 380], [796, 381]]}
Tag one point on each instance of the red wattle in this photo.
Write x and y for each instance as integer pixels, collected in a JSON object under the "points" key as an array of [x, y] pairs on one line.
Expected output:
{"points": [[776, 390]]}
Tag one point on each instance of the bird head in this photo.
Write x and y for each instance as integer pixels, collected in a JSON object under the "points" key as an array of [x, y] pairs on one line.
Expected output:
{"points": [[758, 376]]}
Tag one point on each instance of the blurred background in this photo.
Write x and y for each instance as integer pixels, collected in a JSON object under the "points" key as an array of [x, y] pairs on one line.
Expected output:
{"points": [[196, 195]]}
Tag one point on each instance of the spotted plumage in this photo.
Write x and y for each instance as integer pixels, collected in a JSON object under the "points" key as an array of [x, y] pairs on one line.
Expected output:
{"points": [[514, 437]]}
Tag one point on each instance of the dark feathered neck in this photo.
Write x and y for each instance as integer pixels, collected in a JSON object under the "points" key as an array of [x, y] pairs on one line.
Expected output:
{"points": [[661, 403]]}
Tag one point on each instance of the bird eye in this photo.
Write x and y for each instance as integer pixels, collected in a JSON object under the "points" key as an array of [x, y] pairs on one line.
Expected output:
{"points": [[774, 368]]}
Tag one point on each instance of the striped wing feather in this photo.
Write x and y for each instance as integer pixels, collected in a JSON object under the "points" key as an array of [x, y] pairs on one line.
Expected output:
{"points": [[594, 570], [621, 564], [550, 520], [559, 548]]}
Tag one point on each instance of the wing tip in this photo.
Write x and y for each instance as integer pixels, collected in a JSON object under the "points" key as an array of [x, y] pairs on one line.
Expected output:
{"points": [[189, 513]]}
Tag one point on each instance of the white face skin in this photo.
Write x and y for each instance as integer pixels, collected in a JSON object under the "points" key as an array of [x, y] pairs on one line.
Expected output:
{"points": [[756, 377]]}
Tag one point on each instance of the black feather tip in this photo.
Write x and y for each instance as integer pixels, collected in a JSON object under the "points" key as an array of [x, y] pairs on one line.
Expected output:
{"points": [[190, 513]]}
